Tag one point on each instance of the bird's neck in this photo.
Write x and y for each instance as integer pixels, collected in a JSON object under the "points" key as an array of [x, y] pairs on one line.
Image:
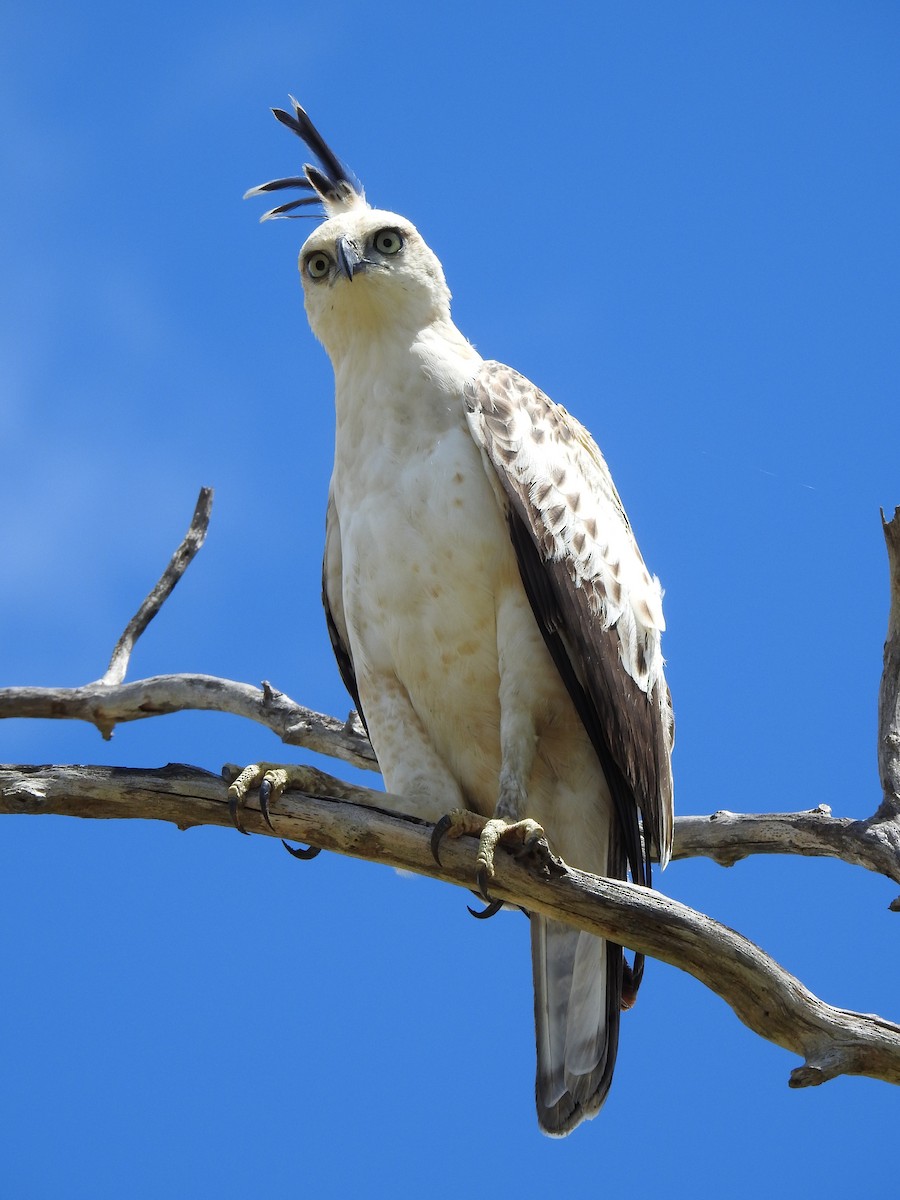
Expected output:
{"points": [[395, 392]]}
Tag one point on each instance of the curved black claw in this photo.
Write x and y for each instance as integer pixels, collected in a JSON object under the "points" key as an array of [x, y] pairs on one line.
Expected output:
{"points": [[437, 836], [299, 852], [491, 911], [481, 878], [265, 795], [234, 811]]}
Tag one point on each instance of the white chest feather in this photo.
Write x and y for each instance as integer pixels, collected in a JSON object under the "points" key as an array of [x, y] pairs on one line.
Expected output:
{"points": [[420, 529], [440, 631], [427, 561]]}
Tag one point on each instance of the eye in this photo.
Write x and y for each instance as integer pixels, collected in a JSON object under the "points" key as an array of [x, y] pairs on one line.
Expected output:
{"points": [[317, 264], [388, 241]]}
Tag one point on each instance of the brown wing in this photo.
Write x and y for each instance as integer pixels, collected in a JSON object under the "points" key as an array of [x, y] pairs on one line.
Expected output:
{"points": [[332, 599], [597, 606]]}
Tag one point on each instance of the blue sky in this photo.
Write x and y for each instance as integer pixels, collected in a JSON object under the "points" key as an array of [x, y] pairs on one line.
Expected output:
{"points": [[679, 220]]}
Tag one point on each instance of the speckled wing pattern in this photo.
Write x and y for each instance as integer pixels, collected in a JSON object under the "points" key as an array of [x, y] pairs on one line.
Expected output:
{"points": [[598, 608]]}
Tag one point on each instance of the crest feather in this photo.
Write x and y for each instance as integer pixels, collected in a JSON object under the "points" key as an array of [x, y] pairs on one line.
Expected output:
{"points": [[331, 184]]}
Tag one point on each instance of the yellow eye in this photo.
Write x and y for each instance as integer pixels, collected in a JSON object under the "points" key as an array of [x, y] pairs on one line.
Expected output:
{"points": [[388, 241], [317, 264]]}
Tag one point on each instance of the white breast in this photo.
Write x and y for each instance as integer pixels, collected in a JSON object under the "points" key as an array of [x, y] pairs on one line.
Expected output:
{"points": [[427, 566], [420, 533]]}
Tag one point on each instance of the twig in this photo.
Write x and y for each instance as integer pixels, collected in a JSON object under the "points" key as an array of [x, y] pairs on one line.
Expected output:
{"points": [[179, 563], [764, 996], [108, 701], [889, 693]]}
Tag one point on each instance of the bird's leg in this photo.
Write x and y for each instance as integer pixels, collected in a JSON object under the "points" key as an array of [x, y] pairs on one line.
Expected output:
{"points": [[524, 835], [518, 746], [504, 826], [268, 777], [518, 739], [272, 779], [521, 833], [518, 742]]}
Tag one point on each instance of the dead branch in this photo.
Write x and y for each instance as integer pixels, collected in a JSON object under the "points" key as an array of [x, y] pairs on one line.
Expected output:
{"points": [[889, 693], [179, 563], [351, 820], [725, 837], [106, 706], [728, 837]]}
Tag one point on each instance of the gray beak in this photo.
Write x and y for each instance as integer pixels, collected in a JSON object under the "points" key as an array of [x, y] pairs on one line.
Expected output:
{"points": [[349, 258]]}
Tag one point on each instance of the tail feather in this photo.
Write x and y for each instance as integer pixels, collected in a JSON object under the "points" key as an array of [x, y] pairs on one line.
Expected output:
{"points": [[577, 1000]]}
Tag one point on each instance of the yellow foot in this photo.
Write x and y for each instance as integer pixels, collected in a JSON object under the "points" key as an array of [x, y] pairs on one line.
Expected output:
{"points": [[525, 834], [272, 779]]}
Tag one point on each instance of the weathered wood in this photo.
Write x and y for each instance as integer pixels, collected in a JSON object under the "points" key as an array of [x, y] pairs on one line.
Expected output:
{"points": [[728, 837], [725, 837], [106, 706], [160, 592], [356, 822], [889, 693]]}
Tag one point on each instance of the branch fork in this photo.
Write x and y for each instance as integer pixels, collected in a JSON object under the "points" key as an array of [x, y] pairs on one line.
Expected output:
{"points": [[358, 821]]}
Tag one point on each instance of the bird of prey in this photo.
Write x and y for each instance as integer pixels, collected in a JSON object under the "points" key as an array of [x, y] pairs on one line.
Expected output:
{"points": [[489, 608]]}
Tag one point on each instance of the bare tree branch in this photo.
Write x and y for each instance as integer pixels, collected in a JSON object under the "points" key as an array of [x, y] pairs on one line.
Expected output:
{"points": [[725, 837], [108, 706], [352, 820], [109, 701], [179, 563], [889, 693]]}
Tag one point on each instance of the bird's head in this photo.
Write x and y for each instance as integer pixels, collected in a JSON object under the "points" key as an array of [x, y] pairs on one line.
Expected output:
{"points": [[365, 271]]}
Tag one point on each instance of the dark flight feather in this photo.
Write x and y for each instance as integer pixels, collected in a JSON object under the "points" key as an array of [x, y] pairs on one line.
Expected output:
{"points": [[631, 731]]}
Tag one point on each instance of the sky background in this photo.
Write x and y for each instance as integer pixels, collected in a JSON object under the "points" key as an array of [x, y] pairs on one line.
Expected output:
{"points": [[680, 220]]}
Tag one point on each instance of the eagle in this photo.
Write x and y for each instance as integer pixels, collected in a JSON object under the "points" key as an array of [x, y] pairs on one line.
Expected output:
{"points": [[489, 609]]}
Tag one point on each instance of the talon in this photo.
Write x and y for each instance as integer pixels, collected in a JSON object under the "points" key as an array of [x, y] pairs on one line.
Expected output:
{"points": [[482, 877], [234, 811], [437, 836], [265, 794], [491, 911], [237, 793], [299, 852]]}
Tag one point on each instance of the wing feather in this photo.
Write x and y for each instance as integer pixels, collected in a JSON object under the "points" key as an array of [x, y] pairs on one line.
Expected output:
{"points": [[333, 601], [598, 608]]}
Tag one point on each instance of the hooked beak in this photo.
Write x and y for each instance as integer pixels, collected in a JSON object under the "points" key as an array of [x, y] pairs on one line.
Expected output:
{"points": [[349, 259]]}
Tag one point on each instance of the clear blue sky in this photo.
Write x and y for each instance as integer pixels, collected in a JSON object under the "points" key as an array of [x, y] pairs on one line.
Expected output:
{"points": [[678, 219]]}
